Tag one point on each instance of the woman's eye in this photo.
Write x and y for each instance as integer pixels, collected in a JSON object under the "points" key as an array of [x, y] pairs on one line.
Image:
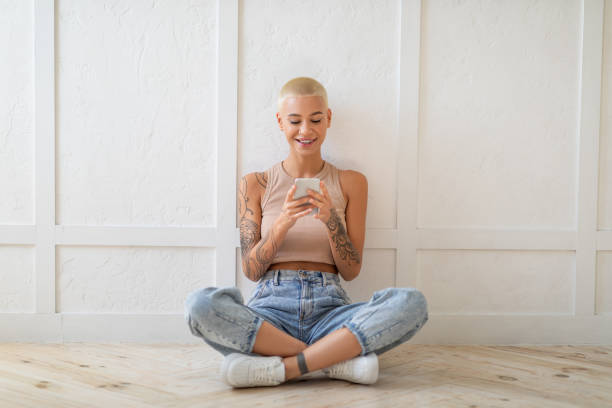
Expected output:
{"points": [[297, 123]]}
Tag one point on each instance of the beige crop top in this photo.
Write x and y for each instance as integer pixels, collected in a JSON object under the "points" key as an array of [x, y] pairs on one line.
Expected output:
{"points": [[307, 240]]}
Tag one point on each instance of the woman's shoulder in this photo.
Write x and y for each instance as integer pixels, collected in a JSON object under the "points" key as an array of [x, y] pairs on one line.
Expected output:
{"points": [[257, 179], [352, 182], [351, 176], [354, 174], [348, 174]]}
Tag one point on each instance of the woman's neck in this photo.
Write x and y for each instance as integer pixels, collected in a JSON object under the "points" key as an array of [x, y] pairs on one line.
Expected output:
{"points": [[303, 167]]}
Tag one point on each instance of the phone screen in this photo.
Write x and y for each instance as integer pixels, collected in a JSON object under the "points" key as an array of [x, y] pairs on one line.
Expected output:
{"points": [[301, 189]]}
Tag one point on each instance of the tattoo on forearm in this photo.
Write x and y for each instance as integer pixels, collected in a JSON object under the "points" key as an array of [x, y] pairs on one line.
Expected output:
{"points": [[344, 247], [264, 254], [250, 236]]}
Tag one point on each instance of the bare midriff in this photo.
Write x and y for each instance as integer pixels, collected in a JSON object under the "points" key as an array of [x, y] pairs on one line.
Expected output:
{"points": [[305, 265]]}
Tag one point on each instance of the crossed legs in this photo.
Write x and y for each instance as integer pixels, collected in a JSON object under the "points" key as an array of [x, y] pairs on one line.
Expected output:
{"points": [[337, 346]]}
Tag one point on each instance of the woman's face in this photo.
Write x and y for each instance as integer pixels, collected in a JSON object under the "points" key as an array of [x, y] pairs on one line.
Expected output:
{"points": [[304, 117]]}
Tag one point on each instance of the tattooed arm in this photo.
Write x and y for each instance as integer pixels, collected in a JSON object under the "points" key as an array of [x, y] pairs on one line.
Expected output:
{"points": [[347, 246], [257, 253]]}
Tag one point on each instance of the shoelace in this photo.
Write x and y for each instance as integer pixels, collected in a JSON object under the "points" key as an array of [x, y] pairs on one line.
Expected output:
{"points": [[340, 368], [263, 374]]}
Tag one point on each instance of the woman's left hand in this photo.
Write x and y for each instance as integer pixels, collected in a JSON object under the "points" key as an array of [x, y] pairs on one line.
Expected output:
{"points": [[323, 201]]}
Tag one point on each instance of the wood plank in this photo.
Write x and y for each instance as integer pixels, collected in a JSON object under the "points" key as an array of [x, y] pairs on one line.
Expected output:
{"points": [[179, 375]]}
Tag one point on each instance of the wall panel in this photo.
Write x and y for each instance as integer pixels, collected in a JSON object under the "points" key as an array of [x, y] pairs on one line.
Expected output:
{"points": [[499, 114], [603, 302], [605, 135], [17, 290], [16, 113], [135, 112], [497, 282], [130, 279]]}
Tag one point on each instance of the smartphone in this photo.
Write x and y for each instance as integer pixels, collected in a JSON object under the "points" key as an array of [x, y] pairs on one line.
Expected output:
{"points": [[301, 189]]}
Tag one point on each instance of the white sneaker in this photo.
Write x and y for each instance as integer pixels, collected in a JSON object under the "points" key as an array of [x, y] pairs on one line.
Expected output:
{"points": [[242, 370], [361, 369]]}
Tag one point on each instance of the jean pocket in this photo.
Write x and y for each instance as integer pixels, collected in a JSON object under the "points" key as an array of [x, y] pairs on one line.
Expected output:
{"points": [[257, 292], [337, 293]]}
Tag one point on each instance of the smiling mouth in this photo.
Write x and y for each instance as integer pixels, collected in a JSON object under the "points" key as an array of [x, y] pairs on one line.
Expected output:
{"points": [[306, 144]]}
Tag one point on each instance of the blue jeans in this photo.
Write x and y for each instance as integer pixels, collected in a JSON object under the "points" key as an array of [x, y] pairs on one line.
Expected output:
{"points": [[308, 305]]}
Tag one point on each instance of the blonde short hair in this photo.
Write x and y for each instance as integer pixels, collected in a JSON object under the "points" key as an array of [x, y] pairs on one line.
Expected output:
{"points": [[302, 86]]}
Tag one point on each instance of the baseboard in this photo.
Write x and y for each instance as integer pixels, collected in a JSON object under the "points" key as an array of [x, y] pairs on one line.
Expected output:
{"points": [[439, 329]]}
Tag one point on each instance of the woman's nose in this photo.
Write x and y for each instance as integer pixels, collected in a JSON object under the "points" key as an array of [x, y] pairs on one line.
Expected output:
{"points": [[304, 128]]}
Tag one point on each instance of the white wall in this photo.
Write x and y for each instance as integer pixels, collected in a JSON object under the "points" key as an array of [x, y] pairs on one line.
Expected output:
{"points": [[484, 130]]}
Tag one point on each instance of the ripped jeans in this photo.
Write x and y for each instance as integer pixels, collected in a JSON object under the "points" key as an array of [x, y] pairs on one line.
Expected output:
{"points": [[307, 305]]}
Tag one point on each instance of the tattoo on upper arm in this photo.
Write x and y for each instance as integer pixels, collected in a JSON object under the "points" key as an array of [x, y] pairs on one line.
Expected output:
{"points": [[262, 179], [250, 232], [344, 246], [243, 207]]}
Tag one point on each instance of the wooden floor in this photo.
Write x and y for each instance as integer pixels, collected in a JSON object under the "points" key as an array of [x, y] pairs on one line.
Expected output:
{"points": [[174, 375]]}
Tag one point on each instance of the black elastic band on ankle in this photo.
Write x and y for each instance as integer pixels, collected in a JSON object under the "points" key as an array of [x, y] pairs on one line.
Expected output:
{"points": [[302, 363]]}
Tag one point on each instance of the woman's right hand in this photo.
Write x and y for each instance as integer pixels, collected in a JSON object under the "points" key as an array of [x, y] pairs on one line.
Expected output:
{"points": [[294, 209]]}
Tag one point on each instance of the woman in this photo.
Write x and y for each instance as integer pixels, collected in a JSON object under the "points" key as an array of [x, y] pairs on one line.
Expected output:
{"points": [[299, 318]]}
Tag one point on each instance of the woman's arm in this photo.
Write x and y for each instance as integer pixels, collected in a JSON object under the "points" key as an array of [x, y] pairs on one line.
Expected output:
{"points": [[257, 253], [347, 243]]}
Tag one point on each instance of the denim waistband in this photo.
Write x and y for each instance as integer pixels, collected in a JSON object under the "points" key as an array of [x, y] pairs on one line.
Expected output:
{"points": [[289, 274]]}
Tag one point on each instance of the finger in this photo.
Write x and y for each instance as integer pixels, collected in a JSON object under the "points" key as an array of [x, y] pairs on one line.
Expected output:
{"points": [[321, 199], [290, 192], [315, 202], [316, 194], [313, 192], [299, 202], [324, 189], [296, 208], [302, 213]]}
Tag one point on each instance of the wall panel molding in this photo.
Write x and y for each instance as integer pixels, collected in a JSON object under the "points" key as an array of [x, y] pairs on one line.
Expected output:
{"points": [[408, 139], [227, 139], [44, 134], [588, 155]]}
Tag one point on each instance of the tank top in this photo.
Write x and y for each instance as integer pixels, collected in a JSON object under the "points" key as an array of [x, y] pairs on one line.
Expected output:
{"points": [[307, 240]]}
